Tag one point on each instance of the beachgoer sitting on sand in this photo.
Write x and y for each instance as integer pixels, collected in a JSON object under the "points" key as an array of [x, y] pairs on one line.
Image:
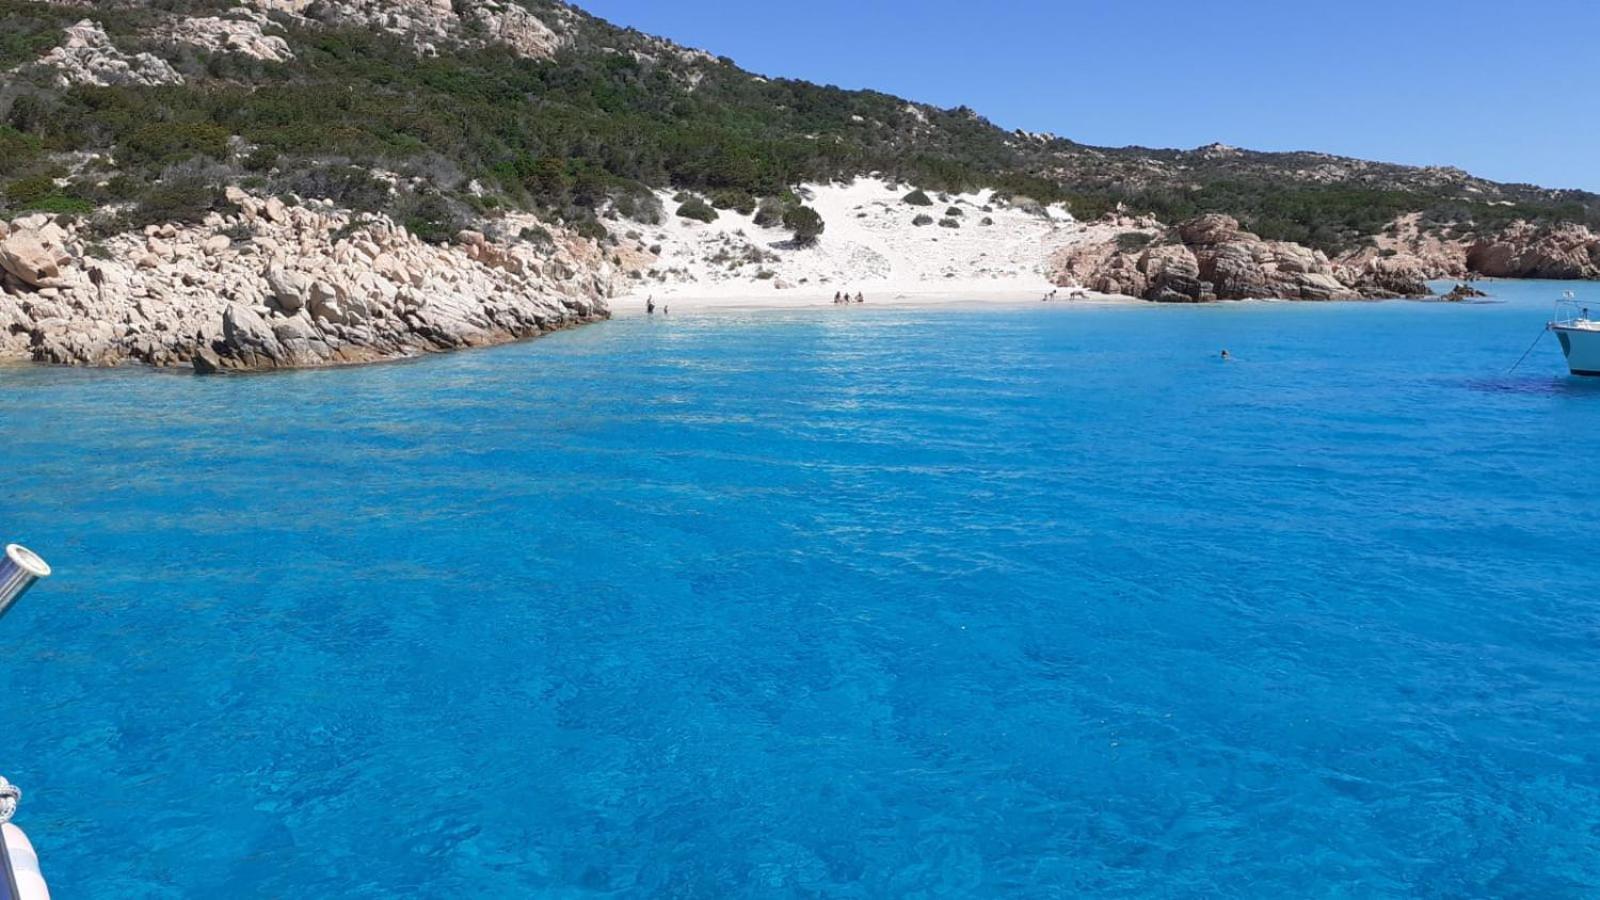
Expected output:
{"points": [[860, 298]]}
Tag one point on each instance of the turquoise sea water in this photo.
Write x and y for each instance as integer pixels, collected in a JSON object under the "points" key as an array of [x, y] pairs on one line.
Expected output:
{"points": [[851, 603]]}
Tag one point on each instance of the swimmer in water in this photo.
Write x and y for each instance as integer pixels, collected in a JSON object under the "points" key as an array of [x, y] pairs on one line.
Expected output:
{"points": [[1226, 356]]}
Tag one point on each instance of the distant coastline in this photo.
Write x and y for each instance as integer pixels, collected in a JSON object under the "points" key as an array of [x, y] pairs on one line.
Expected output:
{"points": [[269, 285], [284, 184]]}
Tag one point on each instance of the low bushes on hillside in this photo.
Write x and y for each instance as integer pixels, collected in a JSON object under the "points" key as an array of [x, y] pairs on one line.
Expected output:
{"points": [[769, 214], [806, 224], [697, 209], [1133, 241]]}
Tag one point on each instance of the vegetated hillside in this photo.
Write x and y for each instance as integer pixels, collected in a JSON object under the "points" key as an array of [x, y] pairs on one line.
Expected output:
{"points": [[440, 112]]}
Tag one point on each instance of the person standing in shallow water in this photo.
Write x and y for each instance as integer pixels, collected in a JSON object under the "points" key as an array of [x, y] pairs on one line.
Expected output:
{"points": [[650, 307]]}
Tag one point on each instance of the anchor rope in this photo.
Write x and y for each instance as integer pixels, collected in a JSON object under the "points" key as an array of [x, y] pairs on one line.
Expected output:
{"points": [[1529, 350]]}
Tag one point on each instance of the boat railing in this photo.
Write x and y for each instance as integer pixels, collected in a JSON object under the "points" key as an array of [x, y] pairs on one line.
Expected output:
{"points": [[1571, 313], [20, 569]]}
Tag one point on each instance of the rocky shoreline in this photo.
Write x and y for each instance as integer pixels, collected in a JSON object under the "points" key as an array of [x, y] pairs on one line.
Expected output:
{"points": [[263, 284], [1213, 258], [271, 286]]}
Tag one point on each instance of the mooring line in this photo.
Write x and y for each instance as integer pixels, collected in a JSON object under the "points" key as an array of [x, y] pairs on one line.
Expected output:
{"points": [[1529, 352]]}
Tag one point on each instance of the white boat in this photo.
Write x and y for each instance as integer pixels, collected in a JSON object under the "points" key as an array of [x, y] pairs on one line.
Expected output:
{"points": [[20, 878], [1579, 336]]}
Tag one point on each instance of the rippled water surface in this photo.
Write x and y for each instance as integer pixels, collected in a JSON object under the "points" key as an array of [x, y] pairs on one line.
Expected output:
{"points": [[846, 602]]}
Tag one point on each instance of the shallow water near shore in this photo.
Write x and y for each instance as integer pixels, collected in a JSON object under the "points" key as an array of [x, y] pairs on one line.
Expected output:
{"points": [[848, 602]]}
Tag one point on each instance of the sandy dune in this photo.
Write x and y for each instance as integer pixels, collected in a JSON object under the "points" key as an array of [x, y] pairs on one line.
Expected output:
{"points": [[871, 247]]}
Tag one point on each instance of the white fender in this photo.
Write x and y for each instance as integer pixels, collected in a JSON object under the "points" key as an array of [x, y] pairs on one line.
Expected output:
{"points": [[25, 862]]}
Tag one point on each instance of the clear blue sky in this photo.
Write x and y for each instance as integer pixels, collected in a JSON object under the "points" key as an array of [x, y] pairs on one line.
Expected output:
{"points": [[1509, 91]]}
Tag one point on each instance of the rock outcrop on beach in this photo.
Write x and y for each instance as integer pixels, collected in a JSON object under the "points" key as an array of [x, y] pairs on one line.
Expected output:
{"points": [[1519, 250], [1528, 251], [268, 285], [1212, 258]]}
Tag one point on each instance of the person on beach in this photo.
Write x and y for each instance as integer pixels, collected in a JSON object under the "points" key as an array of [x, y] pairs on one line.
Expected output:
{"points": [[650, 307], [860, 298], [835, 298]]}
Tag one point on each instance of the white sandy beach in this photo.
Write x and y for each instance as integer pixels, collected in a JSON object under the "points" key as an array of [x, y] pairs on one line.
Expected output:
{"points": [[999, 254]]}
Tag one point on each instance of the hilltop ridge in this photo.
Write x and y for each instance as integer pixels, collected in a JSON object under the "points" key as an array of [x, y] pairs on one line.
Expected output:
{"points": [[544, 106]]}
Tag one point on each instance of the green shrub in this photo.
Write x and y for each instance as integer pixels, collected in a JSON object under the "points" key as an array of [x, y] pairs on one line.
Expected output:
{"points": [[185, 200], [806, 224], [741, 202], [18, 151], [986, 221], [698, 210], [949, 223], [591, 228], [539, 236], [639, 204], [1133, 241], [263, 160], [60, 204], [954, 212], [168, 142], [349, 186], [918, 198], [27, 191], [29, 113], [431, 217], [122, 188], [922, 220], [770, 213]]}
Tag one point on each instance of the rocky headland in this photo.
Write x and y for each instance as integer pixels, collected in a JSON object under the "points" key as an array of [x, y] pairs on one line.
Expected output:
{"points": [[268, 285], [1213, 258]]}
